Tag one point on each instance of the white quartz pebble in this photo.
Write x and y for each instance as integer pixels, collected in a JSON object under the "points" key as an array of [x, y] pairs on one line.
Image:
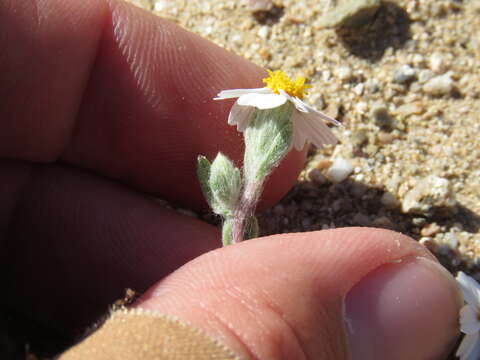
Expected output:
{"points": [[339, 170]]}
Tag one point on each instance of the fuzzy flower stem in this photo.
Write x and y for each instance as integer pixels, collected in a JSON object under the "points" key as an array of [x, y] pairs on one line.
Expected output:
{"points": [[245, 210], [268, 138]]}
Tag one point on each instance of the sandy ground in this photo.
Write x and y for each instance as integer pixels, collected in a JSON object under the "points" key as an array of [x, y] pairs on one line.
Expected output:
{"points": [[406, 86]]}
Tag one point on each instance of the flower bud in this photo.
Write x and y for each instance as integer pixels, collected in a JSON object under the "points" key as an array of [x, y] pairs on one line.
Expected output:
{"points": [[225, 185]]}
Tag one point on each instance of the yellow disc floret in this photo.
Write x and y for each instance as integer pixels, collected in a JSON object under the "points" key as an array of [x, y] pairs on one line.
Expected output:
{"points": [[278, 80]]}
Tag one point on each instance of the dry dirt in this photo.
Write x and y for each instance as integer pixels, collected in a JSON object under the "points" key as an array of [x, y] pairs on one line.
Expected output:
{"points": [[405, 85]]}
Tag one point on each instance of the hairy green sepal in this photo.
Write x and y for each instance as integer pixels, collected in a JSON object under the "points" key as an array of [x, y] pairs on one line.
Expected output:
{"points": [[268, 138], [221, 184]]}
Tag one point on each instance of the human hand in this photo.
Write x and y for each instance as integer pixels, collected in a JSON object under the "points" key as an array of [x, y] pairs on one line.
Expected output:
{"points": [[104, 107]]}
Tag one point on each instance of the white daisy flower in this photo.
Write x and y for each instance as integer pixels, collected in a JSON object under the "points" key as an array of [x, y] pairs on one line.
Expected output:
{"points": [[308, 123], [469, 318]]}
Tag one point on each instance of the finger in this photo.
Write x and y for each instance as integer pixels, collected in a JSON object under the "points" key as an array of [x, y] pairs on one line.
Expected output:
{"points": [[77, 241], [121, 92], [283, 297]]}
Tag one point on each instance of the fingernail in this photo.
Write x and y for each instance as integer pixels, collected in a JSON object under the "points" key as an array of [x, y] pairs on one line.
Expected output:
{"points": [[405, 310]]}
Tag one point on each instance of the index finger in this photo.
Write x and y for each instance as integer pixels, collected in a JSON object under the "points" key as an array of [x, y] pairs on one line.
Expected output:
{"points": [[107, 87]]}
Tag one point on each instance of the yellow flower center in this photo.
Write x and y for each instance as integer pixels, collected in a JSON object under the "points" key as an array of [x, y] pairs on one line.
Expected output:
{"points": [[278, 80]]}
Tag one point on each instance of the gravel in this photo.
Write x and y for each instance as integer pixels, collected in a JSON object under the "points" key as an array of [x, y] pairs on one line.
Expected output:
{"points": [[339, 170], [404, 74], [420, 61], [439, 85]]}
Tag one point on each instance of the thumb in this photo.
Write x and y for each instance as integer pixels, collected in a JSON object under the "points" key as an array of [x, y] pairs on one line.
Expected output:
{"points": [[358, 293], [282, 297]]}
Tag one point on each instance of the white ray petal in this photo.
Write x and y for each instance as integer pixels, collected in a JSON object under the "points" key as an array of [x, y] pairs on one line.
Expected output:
{"points": [[469, 322], [469, 349], [262, 101], [470, 289], [320, 133], [240, 116], [300, 105], [313, 129], [304, 107], [475, 352], [299, 137], [234, 93]]}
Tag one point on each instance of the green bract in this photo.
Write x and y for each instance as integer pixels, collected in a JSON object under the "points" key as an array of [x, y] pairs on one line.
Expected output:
{"points": [[221, 183], [268, 138]]}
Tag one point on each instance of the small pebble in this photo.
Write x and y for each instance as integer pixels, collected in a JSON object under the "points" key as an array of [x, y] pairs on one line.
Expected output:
{"points": [[430, 230], [358, 89], [263, 32], [404, 74], [437, 63], [383, 222], [428, 194], [359, 138], [415, 88], [381, 116], [419, 221], [258, 5], [371, 149], [350, 13], [160, 5], [332, 110], [372, 86], [418, 60], [393, 182], [359, 177], [344, 73], [324, 164], [451, 240], [340, 170], [427, 242], [361, 107], [439, 85], [265, 55], [415, 108], [326, 75], [389, 200], [317, 177], [385, 138], [425, 75]]}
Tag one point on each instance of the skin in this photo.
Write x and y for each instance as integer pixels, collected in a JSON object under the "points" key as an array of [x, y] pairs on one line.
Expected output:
{"points": [[105, 107]]}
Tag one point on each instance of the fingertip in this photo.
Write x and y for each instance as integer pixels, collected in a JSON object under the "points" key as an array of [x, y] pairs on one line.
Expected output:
{"points": [[48, 48], [130, 97], [403, 310], [279, 297], [148, 110]]}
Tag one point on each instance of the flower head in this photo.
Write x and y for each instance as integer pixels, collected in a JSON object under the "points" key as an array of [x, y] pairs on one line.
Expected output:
{"points": [[278, 80], [308, 123], [469, 318]]}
